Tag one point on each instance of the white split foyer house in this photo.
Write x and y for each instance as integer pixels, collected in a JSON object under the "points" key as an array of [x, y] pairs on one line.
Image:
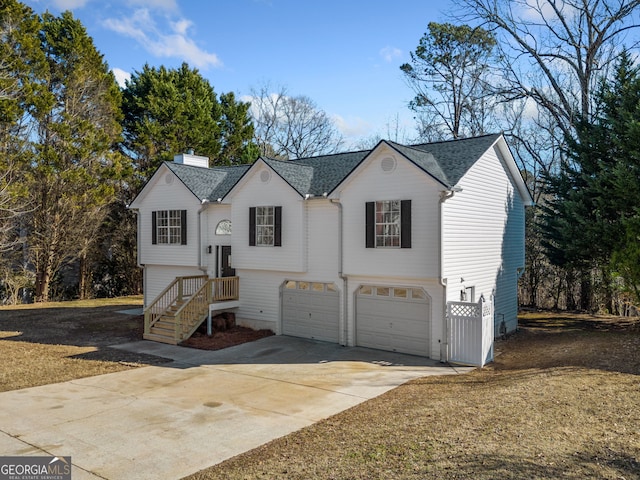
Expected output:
{"points": [[415, 249]]}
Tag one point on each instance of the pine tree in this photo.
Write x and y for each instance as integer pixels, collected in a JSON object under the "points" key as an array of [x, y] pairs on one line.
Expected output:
{"points": [[169, 111], [596, 194]]}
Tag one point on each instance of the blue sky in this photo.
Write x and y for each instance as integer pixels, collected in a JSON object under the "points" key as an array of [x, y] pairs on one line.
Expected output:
{"points": [[343, 54]]}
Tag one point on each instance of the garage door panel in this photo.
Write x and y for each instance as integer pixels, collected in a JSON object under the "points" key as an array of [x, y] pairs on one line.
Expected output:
{"points": [[393, 323], [311, 314]]}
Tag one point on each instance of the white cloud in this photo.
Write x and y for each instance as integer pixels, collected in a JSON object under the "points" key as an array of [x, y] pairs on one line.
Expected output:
{"points": [[175, 42], [389, 54], [181, 26], [530, 110], [121, 76], [352, 127], [541, 10]]}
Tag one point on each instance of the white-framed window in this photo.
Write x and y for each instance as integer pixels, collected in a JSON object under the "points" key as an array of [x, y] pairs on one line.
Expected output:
{"points": [[169, 227], [388, 223], [265, 226], [223, 227]]}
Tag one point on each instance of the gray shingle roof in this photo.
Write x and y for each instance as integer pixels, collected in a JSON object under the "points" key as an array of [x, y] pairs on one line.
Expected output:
{"points": [[448, 161], [445, 161], [317, 175], [208, 183]]}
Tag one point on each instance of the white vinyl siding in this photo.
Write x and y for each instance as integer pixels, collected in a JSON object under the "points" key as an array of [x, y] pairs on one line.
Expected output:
{"points": [[322, 235], [167, 195], [483, 228], [253, 192], [371, 184]]}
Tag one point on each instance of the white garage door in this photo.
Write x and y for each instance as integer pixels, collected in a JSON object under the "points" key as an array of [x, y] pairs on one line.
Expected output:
{"points": [[393, 318], [311, 310]]}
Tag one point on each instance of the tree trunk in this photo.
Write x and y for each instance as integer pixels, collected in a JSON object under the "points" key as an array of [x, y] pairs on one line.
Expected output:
{"points": [[608, 300], [84, 278], [585, 290], [43, 280], [570, 301]]}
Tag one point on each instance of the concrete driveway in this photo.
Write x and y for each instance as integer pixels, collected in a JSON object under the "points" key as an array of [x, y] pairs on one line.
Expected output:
{"points": [[165, 422]]}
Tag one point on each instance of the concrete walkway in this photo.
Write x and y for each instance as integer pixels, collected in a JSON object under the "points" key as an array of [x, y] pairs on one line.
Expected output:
{"points": [[167, 421]]}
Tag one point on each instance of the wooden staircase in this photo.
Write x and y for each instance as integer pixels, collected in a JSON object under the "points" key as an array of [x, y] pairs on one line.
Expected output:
{"points": [[182, 307], [164, 329]]}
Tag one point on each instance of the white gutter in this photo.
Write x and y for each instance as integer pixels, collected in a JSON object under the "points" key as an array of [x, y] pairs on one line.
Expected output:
{"points": [[345, 282], [444, 345]]}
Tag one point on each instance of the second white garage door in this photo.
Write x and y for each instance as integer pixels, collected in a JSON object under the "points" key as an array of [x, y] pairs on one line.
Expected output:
{"points": [[311, 310], [393, 318]]}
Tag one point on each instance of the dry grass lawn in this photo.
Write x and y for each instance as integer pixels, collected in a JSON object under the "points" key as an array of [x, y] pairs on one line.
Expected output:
{"points": [[562, 400], [56, 342]]}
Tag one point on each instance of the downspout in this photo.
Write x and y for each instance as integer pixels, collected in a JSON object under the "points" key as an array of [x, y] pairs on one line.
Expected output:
{"points": [[444, 345], [343, 277], [205, 204]]}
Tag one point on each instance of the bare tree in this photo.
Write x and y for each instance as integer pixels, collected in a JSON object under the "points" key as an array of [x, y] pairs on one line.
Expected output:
{"points": [[288, 127], [555, 51], [394, 130]]}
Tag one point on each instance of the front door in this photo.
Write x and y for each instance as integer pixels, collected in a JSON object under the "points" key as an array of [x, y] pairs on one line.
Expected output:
{"points": [[226, 270]]}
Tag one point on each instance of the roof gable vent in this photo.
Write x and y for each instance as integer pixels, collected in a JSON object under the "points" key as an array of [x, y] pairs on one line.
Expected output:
{"points": [[191, 159], [388, 164]]}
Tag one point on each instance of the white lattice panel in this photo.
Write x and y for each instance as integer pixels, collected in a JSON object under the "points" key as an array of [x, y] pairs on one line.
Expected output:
{"points": [[463, 309]]}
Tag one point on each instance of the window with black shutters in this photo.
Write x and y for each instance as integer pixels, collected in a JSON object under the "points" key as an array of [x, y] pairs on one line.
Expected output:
{"points": [[169, 227], [388, 224], [265, 226]]}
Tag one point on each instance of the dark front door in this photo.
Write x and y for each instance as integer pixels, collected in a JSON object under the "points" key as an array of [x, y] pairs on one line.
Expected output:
{"points": [[226, 270]]}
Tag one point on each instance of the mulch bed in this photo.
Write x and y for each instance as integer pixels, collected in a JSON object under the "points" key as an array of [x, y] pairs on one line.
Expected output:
{"points": [[223, 339]]}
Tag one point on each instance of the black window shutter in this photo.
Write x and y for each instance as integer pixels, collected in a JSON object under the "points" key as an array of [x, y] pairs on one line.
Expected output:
{"points": [[183, 227], [154, 228], [252, 226], [405, 224], [370, 220], [277, 226]]}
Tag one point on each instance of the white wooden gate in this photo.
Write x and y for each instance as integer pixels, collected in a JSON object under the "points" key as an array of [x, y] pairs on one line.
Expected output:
{"points": [[470, 328]]}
